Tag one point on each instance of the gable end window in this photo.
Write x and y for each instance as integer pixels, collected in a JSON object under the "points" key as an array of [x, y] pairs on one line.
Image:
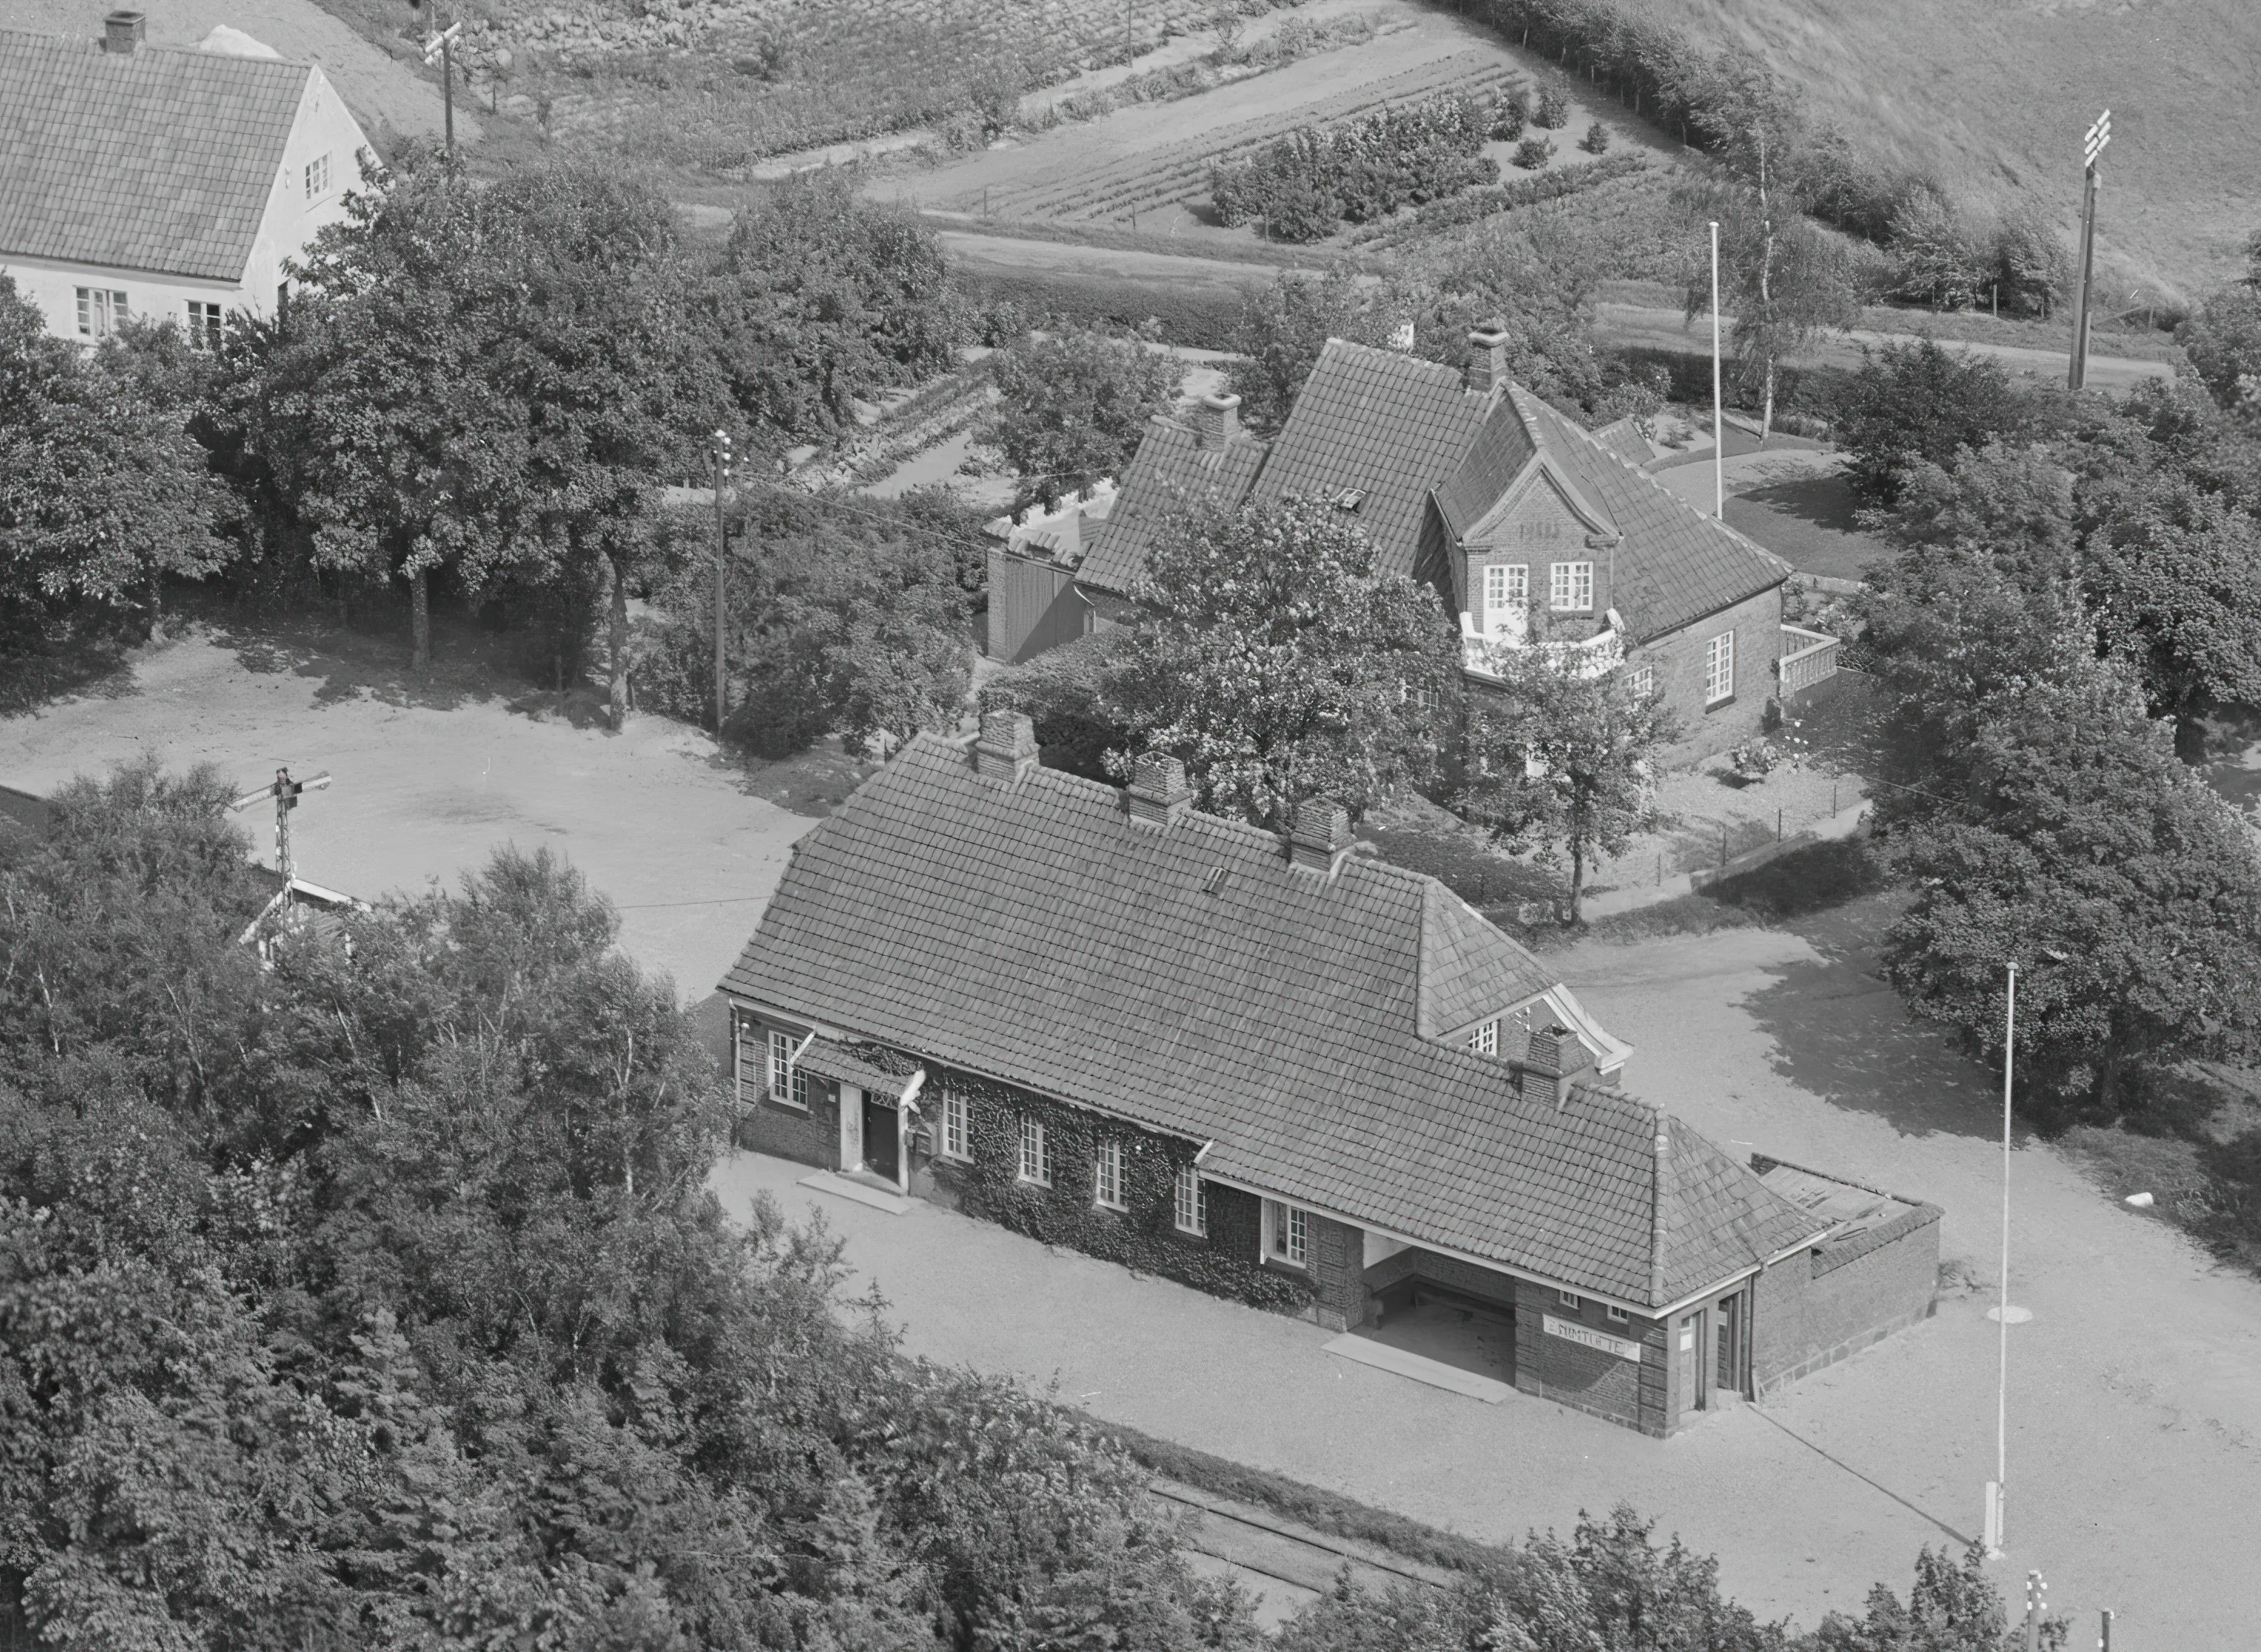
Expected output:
{"points": [[787, 1082], [1287, 1234], [957, 1127], [1720, 668], [1570, 587], [1192, 1203], [1485, 1040], [1506, 589], [1036, 1157], [318, 177]]}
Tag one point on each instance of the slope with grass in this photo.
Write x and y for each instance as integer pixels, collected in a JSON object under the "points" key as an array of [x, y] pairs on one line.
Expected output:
{"points": [[1994, 98]]}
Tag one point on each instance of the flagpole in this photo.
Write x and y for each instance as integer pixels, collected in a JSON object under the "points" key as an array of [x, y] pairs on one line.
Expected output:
{"points": [[1719, 417], [2002, 1314]]}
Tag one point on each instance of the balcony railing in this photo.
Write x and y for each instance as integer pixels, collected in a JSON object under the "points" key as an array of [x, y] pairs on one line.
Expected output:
{"points": [[1808, 657]]}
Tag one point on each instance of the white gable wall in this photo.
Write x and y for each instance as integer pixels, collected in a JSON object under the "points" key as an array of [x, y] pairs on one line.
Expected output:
{"points": [[324, 127]]}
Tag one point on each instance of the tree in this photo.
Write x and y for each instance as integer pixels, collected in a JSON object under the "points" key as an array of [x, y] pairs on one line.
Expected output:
{"points": [[1274, 658], [595, 341], [1074, 407], [1560, 757], [1919, 401], [2174, 580], [2223, 339], [409, 461], [1281, 330], [102, 493], [2069, 838], [822, 296]]}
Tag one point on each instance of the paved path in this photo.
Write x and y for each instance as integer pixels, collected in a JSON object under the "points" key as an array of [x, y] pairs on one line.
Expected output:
{"points": [[2135, 1446]]}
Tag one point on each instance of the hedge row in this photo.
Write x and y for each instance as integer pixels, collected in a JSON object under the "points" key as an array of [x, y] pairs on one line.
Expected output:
{"points": [[1206, 317], [1302, 186], [1474, 204]]}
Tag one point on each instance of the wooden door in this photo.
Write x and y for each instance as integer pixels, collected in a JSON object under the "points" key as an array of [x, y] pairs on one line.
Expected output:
{"points": [[881, 1155]]}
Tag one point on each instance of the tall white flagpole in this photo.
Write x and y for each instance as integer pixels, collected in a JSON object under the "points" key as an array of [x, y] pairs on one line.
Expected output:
{"points": [[1719, 417], [2002, 1313]]}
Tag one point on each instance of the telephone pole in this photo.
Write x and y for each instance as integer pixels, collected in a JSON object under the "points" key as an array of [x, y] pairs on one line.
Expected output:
{"points": [[722, 580], [440, 47], [2091, 148], [284, 791]]}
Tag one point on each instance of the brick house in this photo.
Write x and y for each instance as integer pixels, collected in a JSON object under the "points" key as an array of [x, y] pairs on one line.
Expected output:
{"points": [[138, 180], [1502, 504], [1280, 1069]]}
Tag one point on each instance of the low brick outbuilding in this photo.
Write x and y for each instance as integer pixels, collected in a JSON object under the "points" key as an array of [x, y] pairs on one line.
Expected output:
{"points": [[1280, 1069]]}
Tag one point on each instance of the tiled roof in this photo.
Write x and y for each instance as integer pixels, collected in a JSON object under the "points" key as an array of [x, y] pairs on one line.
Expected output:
{"points": [[1170, 473], [152, 159], [1391, 424], [1189, 980], [1676, 564], [870, 1065], [1624, 439]]}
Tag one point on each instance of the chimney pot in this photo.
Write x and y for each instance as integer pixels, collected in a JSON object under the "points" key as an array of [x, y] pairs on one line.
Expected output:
{"points": [[1158, 793], [1007, 748], [1320, 834], [1488, 358], [1217, 420], [123, 32]]}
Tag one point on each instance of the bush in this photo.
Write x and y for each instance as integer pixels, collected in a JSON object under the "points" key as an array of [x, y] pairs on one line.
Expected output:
{"points": [[1299, 187], [1597, 140], [1554, 110], [1510, 115], [1917, 401], [1533, 153]]}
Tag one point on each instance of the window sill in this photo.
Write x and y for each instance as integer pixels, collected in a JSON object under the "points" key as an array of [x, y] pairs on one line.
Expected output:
{"points": [[1720, 704], [1110, 1210], [1030, 1181], [1281, 1261], [943, 1155], [789, 1106], [1189, 1232]]}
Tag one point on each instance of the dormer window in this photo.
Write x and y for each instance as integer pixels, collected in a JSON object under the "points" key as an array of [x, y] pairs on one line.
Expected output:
{"points": [[1485, 1040], [1571, 588]]}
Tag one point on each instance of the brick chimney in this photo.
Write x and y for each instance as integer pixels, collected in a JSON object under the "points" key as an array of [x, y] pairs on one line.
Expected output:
{"points": [[1488, 358], [123, 33], [1217, 420], [1007, 748], [1320, 837], [1556, 1059], [1159, 795]]}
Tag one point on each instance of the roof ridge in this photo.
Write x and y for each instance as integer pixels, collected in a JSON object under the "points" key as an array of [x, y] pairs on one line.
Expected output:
{"points": [[1661, 1190]]}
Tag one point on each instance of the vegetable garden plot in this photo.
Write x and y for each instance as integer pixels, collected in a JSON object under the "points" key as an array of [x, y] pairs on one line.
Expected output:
{"points": [[1179, 173]]}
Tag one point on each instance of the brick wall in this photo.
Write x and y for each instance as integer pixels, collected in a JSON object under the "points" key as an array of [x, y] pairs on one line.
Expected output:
{"points": [[1818, 1307], [810, 1135], [1587, 1379], [1448, 1271], [1678, 658]]}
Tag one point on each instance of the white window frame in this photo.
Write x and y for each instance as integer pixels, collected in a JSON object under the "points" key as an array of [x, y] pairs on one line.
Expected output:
{"points": [[788, 1084], [1485, 1040], [317, 177], [1570, 587], [102, 311], [1643, 679], [207, 326], [1616, 1315], [1569, 1299], [1036, 1162], [1287, 1234], [957, 1125], [1107, 1174], [1189, 1203], [1720, 668], [1506, 589]]}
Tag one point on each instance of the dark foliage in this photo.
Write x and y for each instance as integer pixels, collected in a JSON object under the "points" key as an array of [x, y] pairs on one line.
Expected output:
{"points": [[1922, 402], [1304, 185]]}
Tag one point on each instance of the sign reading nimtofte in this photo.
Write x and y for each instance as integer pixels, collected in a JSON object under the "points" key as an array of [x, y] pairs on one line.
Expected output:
{"points": [[1571, 1330]]}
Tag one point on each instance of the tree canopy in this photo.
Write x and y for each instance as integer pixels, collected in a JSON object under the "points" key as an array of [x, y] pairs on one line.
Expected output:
{"points": [[1073, 407], [1278, 663]]}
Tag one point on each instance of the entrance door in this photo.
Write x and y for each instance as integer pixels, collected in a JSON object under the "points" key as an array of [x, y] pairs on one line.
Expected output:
{"points": [[1689, 1362], [1729, 1376], [881, 1156]]}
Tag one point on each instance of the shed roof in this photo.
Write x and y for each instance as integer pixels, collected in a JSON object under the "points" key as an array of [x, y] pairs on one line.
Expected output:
{"points": [[155, 160], [1190, 981]]}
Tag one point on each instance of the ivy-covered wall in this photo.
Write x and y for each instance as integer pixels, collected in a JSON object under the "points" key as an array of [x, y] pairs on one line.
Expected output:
{"points": [[1144, 1236]]}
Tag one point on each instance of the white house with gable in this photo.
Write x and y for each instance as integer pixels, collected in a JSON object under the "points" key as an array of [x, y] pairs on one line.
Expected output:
{"points": [[141, 180]]}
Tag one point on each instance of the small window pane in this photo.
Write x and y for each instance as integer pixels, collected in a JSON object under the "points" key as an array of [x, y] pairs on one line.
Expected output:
{"points": [[957, 1127], [1485, 1040], [1192, 1203], [1568, 1299], [1107, 1174], [1035, 1158]]}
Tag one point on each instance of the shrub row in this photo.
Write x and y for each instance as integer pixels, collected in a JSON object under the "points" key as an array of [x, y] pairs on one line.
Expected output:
{"points": [[1300, 187], [1472, 206], [1204, 317]]}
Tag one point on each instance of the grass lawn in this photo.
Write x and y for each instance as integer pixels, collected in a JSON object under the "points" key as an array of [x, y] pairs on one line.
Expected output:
{"points": [[1810, 523]]}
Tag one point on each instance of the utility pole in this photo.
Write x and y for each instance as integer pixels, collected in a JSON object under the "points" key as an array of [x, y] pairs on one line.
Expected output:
{"points": [[1718, 406], [284, 791], [2091, 148], [2037, 1607], [722, 580], [440, 47]]}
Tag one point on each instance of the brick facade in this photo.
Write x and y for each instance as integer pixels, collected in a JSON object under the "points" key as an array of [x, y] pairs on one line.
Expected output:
{"points": [[1337, 1273], [1823, 1305], [1678, 660], [810, 1135], [1585, 1379]]}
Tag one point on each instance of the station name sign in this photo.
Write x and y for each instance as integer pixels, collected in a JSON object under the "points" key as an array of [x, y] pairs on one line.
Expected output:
{"points": [[1586, 1337]]}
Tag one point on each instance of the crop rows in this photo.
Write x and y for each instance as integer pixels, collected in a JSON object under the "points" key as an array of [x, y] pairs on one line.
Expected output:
{"points": [[1178, 173]]}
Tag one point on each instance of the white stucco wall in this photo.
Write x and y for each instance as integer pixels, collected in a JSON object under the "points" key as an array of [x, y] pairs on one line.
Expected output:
{"points": [[324, 127]]}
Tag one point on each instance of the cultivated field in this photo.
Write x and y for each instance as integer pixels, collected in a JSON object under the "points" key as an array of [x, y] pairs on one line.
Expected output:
{"points": [[1995, 97]]}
